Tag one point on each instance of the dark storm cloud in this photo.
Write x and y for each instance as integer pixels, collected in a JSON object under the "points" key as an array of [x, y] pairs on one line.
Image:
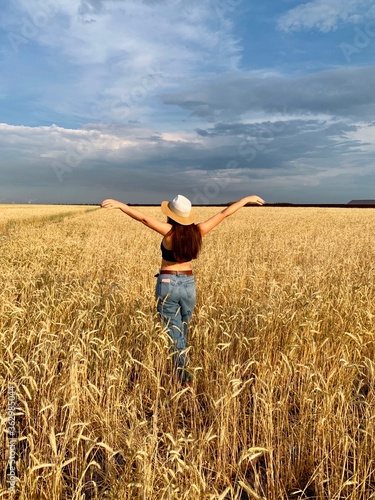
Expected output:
{"points": [[223, 147], [345, 92], [278, 128], [274, 145]]}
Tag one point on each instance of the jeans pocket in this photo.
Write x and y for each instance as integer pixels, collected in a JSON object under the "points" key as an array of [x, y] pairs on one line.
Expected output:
{"points": [[164, 286], [190, 289]]}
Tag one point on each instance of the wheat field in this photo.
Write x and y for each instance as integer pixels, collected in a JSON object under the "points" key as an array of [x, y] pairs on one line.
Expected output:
{"points": [[281, 347]]}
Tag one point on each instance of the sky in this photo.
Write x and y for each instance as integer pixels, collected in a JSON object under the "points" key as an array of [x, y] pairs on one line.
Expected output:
{"points": [[213, 99]]}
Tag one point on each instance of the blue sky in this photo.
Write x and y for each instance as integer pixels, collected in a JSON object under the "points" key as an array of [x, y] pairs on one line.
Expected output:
{"points": [[142, 100]]}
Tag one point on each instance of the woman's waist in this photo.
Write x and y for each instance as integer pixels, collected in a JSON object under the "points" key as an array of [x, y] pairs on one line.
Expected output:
{"points": [[175, 273], [181, 266]]}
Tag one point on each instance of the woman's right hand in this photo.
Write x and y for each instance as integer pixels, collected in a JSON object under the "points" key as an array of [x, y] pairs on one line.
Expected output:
{"points": [[255, 200], [111, 204]]}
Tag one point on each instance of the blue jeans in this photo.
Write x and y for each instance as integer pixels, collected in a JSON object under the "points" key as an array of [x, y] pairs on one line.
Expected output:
{"points": [[176, 296]]}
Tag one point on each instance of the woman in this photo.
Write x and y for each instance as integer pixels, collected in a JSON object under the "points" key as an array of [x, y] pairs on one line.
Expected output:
{"points": [[175, 287]]}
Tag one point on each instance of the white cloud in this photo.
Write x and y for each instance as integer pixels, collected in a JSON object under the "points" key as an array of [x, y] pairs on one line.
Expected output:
{"points": [[112, 47], [58, 143], [23, 146], [364, 135], [141, 36], [324, 15]]}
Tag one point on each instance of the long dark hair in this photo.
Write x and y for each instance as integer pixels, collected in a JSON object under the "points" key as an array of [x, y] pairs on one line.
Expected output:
{"points": [[186, 241]]}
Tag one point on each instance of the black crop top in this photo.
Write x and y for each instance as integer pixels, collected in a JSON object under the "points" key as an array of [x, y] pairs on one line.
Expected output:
{"points": [[167, 254]]}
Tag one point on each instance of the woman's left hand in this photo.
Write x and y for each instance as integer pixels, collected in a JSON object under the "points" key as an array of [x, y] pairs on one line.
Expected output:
{"points": [[111, 204], [255, 200]]}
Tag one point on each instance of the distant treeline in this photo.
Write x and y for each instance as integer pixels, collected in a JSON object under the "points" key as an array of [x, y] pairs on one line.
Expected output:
{"points": [[279, 204]]}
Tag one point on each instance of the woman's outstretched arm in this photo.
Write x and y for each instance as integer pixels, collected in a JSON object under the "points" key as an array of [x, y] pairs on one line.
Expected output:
{"points": [[209, 224], [160, 227]]}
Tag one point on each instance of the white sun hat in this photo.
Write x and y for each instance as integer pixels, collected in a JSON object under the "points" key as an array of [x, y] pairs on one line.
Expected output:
{"points": [[179, 210]]}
